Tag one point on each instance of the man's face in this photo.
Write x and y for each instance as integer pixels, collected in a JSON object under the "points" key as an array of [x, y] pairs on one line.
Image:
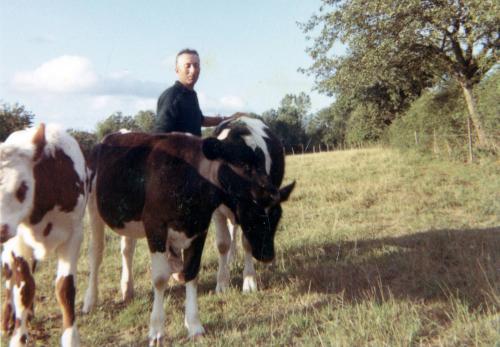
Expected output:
{"points": [[188, 69]]}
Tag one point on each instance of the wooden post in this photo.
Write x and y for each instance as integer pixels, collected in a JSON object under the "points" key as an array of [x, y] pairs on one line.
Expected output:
{"points": [[416, 138], [471, 158], [327, 148], [302, 146], [293, 152], [436, 148]]}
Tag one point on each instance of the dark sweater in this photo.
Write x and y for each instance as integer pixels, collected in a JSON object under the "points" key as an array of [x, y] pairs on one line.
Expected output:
{"points": [[178, 110]]}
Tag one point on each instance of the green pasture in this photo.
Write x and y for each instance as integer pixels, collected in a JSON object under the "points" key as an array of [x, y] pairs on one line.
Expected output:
{"points": [[376, 248]]}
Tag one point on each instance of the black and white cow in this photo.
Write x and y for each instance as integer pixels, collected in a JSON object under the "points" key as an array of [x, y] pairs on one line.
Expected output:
{"points": [[165, 187], [43, 194], [253, 133]]}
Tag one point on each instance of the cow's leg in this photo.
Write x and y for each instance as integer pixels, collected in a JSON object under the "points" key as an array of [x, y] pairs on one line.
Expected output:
{"points": [[233, 249], [249, 274], [67, 259], [8, 303], [192, 260], [192, 317], [23, 293], [127, 282], [161, 272], [223, 243], [96, 248]]}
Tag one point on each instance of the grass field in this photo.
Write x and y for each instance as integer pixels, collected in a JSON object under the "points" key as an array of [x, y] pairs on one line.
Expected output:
{"points": [[375, 248]]}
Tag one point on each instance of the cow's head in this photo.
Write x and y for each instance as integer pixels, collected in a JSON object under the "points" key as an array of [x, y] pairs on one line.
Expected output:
{"points": [[256, 201], [18, 155]]}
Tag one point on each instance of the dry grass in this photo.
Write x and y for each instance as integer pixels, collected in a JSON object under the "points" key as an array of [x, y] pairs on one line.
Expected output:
{"points": [[376, 248]]}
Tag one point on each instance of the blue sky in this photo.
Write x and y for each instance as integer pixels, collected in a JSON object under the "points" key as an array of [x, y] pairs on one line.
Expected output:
{"points": [[76, 62]]}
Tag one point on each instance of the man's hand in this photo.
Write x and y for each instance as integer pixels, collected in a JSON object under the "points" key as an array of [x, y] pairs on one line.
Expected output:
{"points": [[236, 115]]}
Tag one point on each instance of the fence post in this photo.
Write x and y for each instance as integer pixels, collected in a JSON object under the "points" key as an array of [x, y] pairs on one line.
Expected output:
{"points": [[416, 138], [302, 146], [436, 148], [471, 158]]}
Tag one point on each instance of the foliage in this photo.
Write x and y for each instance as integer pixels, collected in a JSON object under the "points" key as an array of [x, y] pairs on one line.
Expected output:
{"points": [[364, 125], [288, 121], [12, 118], [145, 120], [85, 139], [142, 121], [401, 47]]}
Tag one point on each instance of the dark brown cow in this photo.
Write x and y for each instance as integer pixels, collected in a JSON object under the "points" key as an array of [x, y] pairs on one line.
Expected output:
{"points": [[166, 187], [42, 198]]}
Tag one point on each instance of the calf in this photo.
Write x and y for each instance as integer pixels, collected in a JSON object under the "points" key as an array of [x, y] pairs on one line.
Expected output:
{"points": [[254, 134], [42, 201], [166, 187]]}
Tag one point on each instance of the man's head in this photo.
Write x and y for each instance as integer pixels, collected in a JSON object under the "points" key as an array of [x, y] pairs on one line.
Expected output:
{"points": [[187, 67]]}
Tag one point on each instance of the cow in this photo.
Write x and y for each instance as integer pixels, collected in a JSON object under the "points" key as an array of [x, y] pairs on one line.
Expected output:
{"points": [[253, 133], [43, 193], [165, 187]]}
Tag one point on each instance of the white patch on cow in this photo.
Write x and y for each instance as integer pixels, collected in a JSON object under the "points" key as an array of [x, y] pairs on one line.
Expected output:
{"points": [[70, 338], [55, 138], [192, 318], [256, 139], [249, 274], [160, 271], [127, 247], [223, 134], [133, 229], [178, 240]]}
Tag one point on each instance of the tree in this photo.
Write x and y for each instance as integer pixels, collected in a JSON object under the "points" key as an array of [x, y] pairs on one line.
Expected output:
{"points": [[85, 139], [12, 118], [114, 123], [145, 120], [288, 121], [406, 44]]}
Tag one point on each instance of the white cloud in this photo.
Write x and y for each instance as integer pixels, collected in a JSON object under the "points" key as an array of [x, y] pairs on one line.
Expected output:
{"points": [[64, 74], [75, 74], [223, 105], [232, 102]]}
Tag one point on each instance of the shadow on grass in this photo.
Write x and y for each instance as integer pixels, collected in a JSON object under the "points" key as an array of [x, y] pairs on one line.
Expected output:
{"points": [[431, 265]]}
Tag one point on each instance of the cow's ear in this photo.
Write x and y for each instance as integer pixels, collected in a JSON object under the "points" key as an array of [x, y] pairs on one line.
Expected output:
{"points": [[286, 191], [39, 141], [212, 148]]}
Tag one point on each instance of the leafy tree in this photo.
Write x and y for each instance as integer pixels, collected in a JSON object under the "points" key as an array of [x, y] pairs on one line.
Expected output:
{"points": [[85, 139], [114, 123], [145, 120], [404, 45], [288, 121], [12, 118]]}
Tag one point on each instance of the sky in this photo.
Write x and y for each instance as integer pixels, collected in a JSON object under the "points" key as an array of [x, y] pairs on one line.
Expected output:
{"points": [[77, 62]]}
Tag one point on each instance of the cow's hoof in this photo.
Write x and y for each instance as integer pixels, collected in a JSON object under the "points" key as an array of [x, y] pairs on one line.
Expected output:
{"points": [[127, 291], [127, 296], [156, 341], [221, 288], [196, 332], [249, 284], [88, 302]]}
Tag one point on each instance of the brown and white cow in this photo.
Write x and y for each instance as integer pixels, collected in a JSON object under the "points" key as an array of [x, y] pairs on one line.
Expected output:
{"points": [[253, 133], [42, 202], [166, 187]]}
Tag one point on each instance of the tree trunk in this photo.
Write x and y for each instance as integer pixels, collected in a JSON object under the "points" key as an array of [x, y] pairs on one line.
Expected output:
{"points": [[474, 115]]}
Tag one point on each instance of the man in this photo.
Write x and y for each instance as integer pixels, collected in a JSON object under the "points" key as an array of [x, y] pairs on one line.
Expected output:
{"points": [[178, 108]]}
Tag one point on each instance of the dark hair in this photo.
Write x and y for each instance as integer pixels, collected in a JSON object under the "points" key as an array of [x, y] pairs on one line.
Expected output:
{"points": [[186, 51]]}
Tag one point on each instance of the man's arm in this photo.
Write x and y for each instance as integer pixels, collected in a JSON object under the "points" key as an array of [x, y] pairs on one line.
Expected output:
{"points": [[211, 121]]}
